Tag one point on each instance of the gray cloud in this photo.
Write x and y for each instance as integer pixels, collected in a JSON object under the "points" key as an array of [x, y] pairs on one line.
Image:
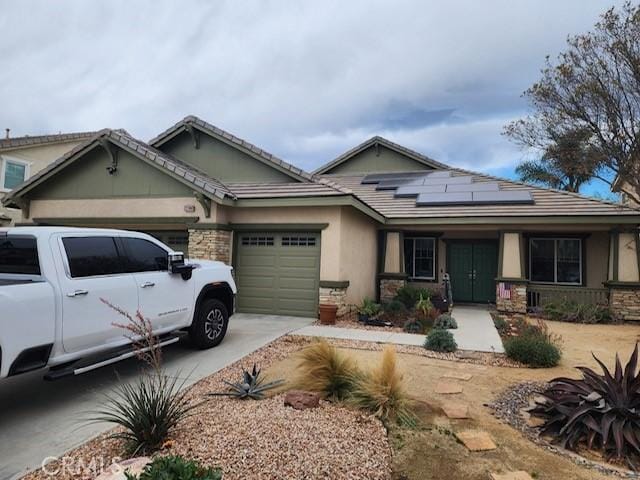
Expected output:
{"points": [[305, 80]]}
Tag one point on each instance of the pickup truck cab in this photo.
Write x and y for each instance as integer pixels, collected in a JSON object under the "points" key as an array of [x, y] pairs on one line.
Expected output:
{"points": [[54, 282]]}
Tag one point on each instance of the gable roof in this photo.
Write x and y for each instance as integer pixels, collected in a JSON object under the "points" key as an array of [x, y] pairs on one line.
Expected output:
{"points": [[183, 172], [31, 141], [236, 142], [377, 140]]}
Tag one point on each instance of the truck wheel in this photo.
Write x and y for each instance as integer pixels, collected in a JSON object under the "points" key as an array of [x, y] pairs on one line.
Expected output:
{"points": [[210, 325]]}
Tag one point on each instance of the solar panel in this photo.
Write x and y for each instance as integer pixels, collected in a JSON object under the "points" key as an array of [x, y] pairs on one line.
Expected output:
{"points": [[439, 174], [379, 177], [503, 196], [474, 187], [415, 190], [444, 198], [446, 180], [390, 184]]}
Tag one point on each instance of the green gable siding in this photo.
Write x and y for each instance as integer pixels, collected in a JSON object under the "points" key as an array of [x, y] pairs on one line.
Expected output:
{"points": [[382, 160], [87, 177], [222, 161]]}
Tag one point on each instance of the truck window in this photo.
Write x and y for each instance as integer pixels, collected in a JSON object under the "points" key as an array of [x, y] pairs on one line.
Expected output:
{"points": [[19, 255], [91, 256], [144, 256]]}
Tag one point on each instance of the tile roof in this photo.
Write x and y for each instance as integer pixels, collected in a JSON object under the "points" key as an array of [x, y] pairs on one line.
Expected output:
{"points": [[237, 141], [28, 141], [417, 156], [548, 202], [198, 179], [282, 190]]}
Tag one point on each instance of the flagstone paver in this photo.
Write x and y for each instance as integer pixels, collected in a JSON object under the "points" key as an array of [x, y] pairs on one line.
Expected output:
{"points": [[456, 410], [465, 377], [519, 475], [447, 388], [476, 441]]}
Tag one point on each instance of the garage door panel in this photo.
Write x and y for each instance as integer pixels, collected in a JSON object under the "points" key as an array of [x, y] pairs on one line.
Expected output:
{"points": [[281, 277]]}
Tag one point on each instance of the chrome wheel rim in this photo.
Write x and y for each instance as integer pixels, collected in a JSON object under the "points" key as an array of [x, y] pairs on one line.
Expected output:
{"points": [[213, 324]]}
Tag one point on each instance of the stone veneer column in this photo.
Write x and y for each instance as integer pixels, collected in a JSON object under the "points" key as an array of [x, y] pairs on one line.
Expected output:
{"points": [[210, 244], [623, 278], [334, 293], [392, 277], [511, 284]]}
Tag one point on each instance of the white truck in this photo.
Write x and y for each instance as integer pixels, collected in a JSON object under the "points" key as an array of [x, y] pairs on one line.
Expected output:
{"points": [[53, 281]]}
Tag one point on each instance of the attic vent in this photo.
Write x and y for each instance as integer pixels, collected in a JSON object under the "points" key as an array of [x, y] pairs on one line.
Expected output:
{"points": [[443, 188]]}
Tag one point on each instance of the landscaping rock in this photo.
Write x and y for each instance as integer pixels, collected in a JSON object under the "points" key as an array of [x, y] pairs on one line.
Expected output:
{"points": [[301, 400], [133, 466], [447, 388], [519, 475], [456, 411], [465, 377], [476, 441]]}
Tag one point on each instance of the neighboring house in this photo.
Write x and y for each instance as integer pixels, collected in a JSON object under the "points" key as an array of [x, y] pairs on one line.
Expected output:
{"points": [[376, 218], [21, 157]]}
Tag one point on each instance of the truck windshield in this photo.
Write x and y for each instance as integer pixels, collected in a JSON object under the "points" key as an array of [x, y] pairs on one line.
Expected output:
{"points": [[19, 255]]}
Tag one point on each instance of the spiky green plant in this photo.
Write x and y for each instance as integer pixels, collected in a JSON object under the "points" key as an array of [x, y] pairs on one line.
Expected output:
{"points": [[252, 386], [147, 409], [598, 411], [175, 468]]}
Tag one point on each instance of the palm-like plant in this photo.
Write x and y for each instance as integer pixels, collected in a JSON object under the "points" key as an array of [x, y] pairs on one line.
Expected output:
{"points": [[600, 411], [252, 386]]}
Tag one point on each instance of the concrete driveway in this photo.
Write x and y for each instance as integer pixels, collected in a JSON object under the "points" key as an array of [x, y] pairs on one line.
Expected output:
{"points": [[44, 419]]}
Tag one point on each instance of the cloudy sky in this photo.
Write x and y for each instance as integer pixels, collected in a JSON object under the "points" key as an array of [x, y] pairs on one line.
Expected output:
{"points": [[304, 80]]}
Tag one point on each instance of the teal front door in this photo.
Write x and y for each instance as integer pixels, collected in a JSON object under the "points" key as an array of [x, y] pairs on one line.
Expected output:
{"points": [[472, 269]]}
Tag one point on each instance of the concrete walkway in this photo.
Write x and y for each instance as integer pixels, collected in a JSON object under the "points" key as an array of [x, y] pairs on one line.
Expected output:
{"points": [[475, 332], [41, 419]]}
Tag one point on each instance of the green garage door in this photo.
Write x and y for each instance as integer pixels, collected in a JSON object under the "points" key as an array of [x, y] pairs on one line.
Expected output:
{"points": [[278, 273]]}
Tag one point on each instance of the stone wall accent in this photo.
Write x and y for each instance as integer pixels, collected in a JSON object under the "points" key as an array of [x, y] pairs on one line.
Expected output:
{"points": [[624, 303], [210, 245], [335, 296], [518, 301], [389, 288]]}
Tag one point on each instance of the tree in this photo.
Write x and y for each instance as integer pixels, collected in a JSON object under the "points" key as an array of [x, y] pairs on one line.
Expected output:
{"points": [[566, 164], [593, 86]]}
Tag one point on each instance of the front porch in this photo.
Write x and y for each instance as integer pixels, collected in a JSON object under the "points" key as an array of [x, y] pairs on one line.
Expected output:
{"points": [[516, 270]]}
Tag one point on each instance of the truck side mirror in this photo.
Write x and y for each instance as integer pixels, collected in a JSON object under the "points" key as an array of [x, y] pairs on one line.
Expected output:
{"points": [[177, 265]]}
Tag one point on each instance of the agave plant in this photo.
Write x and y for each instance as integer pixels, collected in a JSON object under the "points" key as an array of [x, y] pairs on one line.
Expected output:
{"points": [[599, 411], [251, 386]]}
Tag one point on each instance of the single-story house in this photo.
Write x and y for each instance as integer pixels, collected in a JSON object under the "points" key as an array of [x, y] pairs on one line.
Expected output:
{"points": [[21, 157], [375, 218]]}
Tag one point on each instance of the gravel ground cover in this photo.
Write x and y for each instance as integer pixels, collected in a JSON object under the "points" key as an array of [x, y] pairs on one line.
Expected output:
{"points": [[508, 407], [257, 439], [352, 322]]}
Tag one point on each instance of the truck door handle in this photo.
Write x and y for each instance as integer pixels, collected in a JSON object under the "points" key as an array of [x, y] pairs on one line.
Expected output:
{"points": [[147, 284], [77, 293]]}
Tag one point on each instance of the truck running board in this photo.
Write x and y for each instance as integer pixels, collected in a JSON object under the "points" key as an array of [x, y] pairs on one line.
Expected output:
{"points": [[107, 358]]}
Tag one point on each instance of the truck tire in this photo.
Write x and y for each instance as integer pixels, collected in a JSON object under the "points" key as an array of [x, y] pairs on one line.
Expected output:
{"points": [[210, 324]]}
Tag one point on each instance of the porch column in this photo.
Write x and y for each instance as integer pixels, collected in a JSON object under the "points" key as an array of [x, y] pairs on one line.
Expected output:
{"points": [[511, 284], [392, 276], [210, 242], [623, 278]]}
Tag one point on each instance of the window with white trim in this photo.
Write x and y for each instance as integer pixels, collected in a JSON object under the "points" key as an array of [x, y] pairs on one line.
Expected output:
{"points": [[555, 260], [420, 257], [12, 173]]}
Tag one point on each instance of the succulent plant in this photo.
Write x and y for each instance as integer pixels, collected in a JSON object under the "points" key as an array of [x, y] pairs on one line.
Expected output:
{"points": [[597, 411], [251, 386], [445, 321]]}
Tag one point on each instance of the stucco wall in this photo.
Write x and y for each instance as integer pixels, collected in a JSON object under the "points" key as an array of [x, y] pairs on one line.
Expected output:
{"points": [[511, 265], [358, 254], [597, 247]]}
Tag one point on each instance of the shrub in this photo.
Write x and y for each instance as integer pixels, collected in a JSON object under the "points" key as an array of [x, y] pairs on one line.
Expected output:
{"points": [[570, 311], [445, 321], [533, 350], [322, 368], [413, 326], [596, 410], [440, 340], [424, 305], [382, 392], [409, 295], [251, 386], [394, 307], [369, 307], [175, 468], [501, 325]]}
